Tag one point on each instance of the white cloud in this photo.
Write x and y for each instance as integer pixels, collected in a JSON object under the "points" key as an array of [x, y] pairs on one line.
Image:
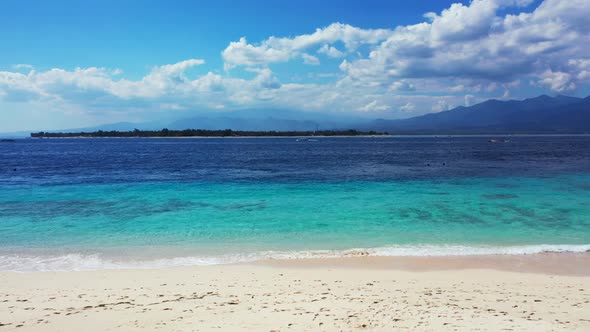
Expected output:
{"points": [[265, 78], [310, 59], [88, 84], [273, 49], [172, 106], [472, 42], [457, 88], [401, 86], [23, 66], [373, 106], [582, 68], [456, 57], [469, 100], [93, 86], [408, 107], [331, 51], [557, 80], [441, 105], [242, 53]]}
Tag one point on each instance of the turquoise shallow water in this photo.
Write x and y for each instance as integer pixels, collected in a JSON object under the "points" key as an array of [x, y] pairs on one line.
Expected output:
{"points": [[140, 213], [166, 220]]}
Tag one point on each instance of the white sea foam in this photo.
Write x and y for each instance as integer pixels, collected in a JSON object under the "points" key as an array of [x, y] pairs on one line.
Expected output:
{"points": [[79, 262]]}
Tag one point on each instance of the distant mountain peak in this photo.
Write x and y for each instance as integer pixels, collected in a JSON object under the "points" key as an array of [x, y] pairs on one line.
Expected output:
{"points": [[541, 97], [541, 114]]}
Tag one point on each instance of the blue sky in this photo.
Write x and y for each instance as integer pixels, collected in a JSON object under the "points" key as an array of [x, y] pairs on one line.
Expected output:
{"points": [[136, 35], [80, 63]]}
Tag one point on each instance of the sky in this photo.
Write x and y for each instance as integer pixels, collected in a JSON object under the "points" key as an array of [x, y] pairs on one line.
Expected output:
{"points": [[72, 64]]}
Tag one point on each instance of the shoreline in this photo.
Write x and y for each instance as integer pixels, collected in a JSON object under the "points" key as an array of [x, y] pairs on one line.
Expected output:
{"points": [[484, 135], [572, 259], [559, 264], [362, 293], [182, 137], [547, 263]]}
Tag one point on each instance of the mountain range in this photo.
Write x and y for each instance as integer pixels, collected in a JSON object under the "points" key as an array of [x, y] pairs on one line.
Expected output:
{"points": [[267, 120], [542, 115]]}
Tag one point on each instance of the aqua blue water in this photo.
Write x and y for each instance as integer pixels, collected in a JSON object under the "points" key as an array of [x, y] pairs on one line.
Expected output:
{"points": [[74, 204]]}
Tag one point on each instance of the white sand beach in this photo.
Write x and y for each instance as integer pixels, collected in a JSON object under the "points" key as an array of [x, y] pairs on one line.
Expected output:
{"points": [[517, 293]]}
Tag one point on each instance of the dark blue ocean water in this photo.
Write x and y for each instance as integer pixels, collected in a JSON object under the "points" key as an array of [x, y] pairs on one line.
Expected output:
{"points": [[105, 161], [91, 203]]}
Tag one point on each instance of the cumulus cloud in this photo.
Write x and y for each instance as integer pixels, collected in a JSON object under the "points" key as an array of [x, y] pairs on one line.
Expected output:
{"points": [[441, 105], [274, 49], [580, 68], [457, 88], [459, 56], [265, 78], [402, 85], [373, 106], [90, 83], [310, 59], [408, 107], [469, 100], [168, 84], [472, 42], [557, 80], [331, 51]]}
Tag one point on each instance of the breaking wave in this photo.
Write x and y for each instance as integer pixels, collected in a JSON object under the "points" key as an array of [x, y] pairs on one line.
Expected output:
{"points": [[85, 262]]}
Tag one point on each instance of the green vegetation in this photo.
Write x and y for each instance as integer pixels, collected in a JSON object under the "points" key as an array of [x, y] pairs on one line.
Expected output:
{"points": [[206, 133]]}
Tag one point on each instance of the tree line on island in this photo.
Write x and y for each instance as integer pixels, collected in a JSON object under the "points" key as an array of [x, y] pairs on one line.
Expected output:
{"points": [[204, 133]]}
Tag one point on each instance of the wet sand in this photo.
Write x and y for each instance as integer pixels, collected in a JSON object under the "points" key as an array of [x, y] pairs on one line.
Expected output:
{"points": [[545, 263], [548, 292]]}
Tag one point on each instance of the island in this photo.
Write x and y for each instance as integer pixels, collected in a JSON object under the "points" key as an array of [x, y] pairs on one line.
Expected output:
{"points": [[204, 133]]}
